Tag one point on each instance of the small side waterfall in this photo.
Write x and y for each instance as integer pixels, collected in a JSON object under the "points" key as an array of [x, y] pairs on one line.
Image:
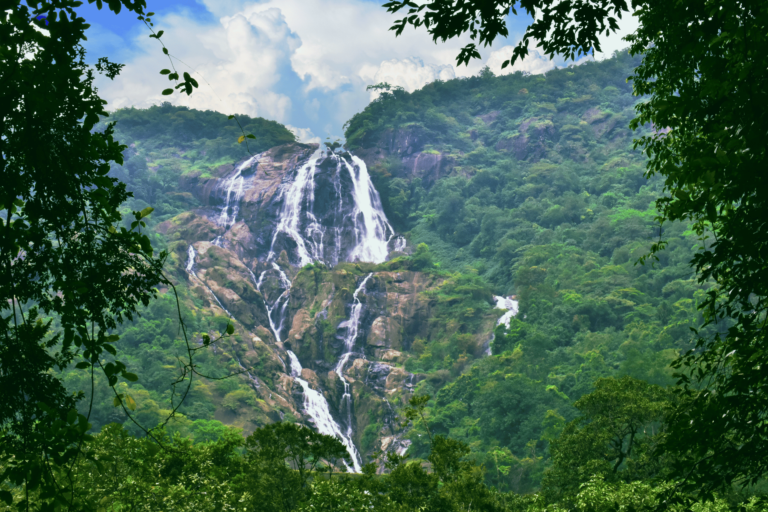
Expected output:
{"points": [[316, 406], [399, 244], [353, 328], [511, 306]]}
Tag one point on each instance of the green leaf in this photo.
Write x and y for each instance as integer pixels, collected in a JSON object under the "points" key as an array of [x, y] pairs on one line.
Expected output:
{"points": [[165, 51], [130, 376], [230, 117], [145, 212], [160, 34], [83, 364], [130, 402], [206, 340], [167, 92], [7, 497], [230, 329], [116, 401], [165, 71], [251, 136], [110, 349]]}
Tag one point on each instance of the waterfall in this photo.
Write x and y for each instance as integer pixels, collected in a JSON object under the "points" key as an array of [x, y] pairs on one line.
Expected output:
{"points": [[191, 270], [372, 231], [399, 244], [234, 186], [353, 328], [281, 304], [290, 215], [511, 306], [316, 406], [191, 261], [362, 217]]}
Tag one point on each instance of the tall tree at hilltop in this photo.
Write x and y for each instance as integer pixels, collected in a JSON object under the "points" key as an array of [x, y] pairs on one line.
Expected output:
{"points": [[704, 72]]}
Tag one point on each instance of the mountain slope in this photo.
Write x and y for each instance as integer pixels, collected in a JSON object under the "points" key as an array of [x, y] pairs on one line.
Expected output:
{"points": [[346, 300]]}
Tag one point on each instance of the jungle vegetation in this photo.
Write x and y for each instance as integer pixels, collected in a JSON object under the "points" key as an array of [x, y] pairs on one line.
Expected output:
{"points": [[577, 408]]}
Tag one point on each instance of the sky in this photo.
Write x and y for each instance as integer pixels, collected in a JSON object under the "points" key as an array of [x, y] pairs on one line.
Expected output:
{"points": [[303, 63]]}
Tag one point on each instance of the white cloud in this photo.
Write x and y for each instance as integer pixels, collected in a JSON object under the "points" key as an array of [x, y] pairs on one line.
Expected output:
{"points": [[340, 38], [237, 64], [410, 74], [304, 135], [300, 62], [534, 63]]}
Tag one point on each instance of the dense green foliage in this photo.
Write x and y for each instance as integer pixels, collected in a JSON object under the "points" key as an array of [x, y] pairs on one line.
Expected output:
{"points": [[167, 145], [705, 78], [703, 70], [284, 467], [546, 199], [70, 272]]}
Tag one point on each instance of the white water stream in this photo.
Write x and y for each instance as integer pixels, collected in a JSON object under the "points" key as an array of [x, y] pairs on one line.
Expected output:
{"points": [[234, 185], [298, 222], [371, 226], [371, 229], [290, 215], [316, 406], [511, 306], [353, 327]]}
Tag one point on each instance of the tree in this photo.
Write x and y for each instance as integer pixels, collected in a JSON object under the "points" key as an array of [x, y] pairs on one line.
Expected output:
{"points": [[283, 457], [71, 269], [613, 438], [704, 76]]}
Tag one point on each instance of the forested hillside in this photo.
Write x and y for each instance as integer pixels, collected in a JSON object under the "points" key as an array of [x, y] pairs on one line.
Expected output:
{"points": [[532, 183], [521, 186]]}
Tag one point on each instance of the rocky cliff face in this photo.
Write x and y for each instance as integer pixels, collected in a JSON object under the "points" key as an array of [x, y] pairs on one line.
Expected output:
{"points": [[291, 244]]}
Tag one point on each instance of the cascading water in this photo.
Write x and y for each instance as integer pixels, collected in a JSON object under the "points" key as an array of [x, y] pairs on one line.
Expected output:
{"points": [[191, 270], [316, 406], [281, 304], [336, 229], [511, 306], [372, 231], [234, 187], [353, 328], [290, 215], [399, 244], [328, 212]]}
